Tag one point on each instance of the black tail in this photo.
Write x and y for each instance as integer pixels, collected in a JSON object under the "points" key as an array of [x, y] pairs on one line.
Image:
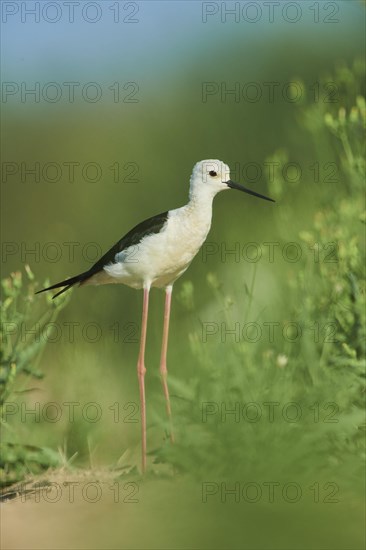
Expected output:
{"points": [[68, 283]]}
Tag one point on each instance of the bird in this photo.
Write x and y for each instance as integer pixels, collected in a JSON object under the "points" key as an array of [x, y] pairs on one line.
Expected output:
{"points": [[155, 253]]}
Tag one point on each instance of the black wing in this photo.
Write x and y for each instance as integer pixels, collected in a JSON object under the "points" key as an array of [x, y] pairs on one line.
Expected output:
{"points": [[133, 237]]}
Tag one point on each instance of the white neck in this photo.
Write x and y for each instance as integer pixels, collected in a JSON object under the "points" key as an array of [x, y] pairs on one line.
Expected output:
{"points": [[200, 200]]}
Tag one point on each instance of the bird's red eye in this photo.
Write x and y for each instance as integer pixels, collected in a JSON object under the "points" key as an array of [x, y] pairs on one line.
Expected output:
{"points": [[213, 173]]}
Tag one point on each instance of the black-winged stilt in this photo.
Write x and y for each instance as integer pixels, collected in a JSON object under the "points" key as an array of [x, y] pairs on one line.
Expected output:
{"points": [[155, 253]]}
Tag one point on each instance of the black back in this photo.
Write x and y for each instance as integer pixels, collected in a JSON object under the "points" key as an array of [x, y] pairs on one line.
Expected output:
{"points": [[134, 236]]}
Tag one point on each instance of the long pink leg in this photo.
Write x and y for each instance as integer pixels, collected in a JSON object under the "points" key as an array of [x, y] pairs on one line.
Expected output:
{"points": [[141, 375], [164, 348]]}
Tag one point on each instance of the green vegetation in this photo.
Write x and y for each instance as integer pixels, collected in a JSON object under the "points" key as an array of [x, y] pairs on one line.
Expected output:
{"points": [[21, 350], [322, 370], [296, 399]]}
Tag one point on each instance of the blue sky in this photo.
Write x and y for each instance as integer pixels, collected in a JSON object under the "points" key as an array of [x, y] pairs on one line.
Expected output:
{"points": [[167, 37]]}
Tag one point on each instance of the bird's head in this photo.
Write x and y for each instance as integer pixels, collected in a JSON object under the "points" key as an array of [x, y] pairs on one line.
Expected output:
{"points": [[211, 176]]}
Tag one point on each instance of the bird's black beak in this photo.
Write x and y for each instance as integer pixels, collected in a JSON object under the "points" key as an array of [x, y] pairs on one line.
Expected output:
{"points": [[234, 185]]}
